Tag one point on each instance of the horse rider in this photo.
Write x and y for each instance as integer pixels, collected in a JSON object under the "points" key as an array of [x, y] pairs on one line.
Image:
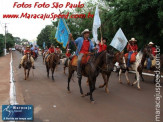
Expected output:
{"points": [[131, 48], [153, 49], [102, 45], [58, 50], [68, 54], [24, 57], [84, 46], [50, 51], [36, 51]]}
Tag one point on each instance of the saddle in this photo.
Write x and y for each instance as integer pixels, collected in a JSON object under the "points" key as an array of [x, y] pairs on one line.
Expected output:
{"points": [[84, 60], [133, 57]]}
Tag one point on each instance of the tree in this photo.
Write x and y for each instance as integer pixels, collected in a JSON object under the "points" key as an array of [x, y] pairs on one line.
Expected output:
{"points": [[1, 44], [9, 41]]}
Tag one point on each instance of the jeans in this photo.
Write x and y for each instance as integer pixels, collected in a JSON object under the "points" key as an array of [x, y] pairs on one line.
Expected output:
{"points": [[129, 57], [78, 65], [149, 62]]}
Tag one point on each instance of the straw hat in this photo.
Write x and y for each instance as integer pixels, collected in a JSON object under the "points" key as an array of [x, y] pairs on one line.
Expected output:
{"points": [[151, 43], [133, 39], [85, 31]]}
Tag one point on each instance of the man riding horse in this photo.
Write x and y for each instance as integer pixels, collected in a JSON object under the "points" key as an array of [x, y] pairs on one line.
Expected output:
{"points": [[28, 50], [131, 48], [84, 46]]}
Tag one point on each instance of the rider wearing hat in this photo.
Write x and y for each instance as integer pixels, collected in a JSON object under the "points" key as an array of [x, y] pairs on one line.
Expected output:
{"points": [[153, 49], [24, 57], [131, 48], [84, 45]]}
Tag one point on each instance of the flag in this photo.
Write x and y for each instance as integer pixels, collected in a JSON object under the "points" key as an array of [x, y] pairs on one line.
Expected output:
{"points": [[62, 33], [119, 41], [44, 45], [96, 24]]}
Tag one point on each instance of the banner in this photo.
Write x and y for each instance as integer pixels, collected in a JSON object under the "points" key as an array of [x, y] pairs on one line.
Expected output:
{"points": [[96, 24], [119, 41], [62, 33]]}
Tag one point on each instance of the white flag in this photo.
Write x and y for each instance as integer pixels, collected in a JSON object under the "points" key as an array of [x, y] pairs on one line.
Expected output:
{"points": [[119, 41], [96, 24]]}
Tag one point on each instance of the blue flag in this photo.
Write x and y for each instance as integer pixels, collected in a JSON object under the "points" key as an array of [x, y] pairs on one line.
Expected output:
{"points": [[44, 45], [119, 41], [62, 33]]}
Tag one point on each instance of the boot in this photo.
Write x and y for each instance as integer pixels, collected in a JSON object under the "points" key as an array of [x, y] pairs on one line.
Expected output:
{"points": [[20, 66]]}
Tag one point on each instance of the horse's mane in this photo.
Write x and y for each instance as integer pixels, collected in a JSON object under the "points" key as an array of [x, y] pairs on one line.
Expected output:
{"points": [[97, 54]]}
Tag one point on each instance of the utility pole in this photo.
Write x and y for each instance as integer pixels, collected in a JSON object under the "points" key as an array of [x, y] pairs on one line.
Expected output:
{"points": [[5, 37]]}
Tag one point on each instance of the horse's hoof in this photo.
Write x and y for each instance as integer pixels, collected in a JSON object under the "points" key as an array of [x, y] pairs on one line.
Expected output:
{"points": [[128, 83], [92, 102], [101, 86], [132, 84], [68, 92], [107, 91], [120, 82], [139, 88], [82, 95]]}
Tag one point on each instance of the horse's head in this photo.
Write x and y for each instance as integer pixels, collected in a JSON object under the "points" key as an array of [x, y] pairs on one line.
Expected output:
{"points": [[120, 58], [28, 57], [109, 60], [56, 58], [148, 52]]}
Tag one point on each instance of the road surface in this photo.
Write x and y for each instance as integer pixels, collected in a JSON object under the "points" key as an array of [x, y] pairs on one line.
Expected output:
{"points": [[52, 103]]}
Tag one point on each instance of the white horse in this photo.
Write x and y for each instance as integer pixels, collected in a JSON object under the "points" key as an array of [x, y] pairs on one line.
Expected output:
{"points": [[137, 66]]}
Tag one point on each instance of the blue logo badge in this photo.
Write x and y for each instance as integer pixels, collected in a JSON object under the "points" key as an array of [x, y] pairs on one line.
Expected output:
{"points": [[17, 112]]}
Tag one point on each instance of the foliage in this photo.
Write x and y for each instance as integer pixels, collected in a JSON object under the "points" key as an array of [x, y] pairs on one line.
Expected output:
{"points": [[142, 19], [1, 44]]}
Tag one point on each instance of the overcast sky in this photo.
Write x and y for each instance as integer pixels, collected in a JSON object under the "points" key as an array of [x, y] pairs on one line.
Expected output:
{"points": [[27, 28]]}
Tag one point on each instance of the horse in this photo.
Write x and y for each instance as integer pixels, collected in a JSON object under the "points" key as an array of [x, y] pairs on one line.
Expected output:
{"points": [[52, 63], [138, 65], [118, 57], [91, 70], [27, 66]]}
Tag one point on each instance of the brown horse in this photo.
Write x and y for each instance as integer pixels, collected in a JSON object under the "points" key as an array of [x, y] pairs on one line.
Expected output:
{"points": [[118, 57], [91, 71], [27, 65], [52, 63]]}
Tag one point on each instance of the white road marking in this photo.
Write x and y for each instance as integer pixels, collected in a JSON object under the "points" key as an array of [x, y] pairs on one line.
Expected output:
{"points": [[148, 74], [12, 85]]}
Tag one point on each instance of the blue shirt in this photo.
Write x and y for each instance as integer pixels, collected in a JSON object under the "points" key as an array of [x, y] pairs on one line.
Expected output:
{"points": [[79, 43]]}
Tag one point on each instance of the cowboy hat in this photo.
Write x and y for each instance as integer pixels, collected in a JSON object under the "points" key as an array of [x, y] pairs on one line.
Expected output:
{"points": [[151, 43], [133, 39], [85, 31]]}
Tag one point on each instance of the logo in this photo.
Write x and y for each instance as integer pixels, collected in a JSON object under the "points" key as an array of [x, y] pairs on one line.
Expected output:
{"points": [[17, 112]]}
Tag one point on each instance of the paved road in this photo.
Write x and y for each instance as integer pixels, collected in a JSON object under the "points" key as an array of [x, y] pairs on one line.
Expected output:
{"points": [[52, 103]]}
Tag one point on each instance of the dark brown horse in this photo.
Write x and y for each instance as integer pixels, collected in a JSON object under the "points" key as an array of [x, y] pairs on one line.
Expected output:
{"points": [[91, 70], [118, 57], [27, 66], [52, 63]]}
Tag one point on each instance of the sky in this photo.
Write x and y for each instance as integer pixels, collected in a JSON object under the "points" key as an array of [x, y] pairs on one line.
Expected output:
{"points": [[28, 28]]}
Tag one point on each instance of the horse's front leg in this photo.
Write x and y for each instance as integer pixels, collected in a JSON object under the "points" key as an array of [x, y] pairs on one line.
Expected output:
{"points": [[126, 74], [71, 71], [120, 72], [81, 90], [104, 78], [28, 73], [106, 87], [47, 68], [52, 70], [92, 88], [25, 74]]}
